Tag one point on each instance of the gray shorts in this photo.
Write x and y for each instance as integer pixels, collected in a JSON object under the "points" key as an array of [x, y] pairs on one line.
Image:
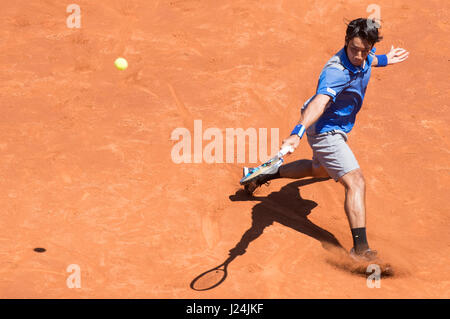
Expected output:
{"points": [[331, 150]]}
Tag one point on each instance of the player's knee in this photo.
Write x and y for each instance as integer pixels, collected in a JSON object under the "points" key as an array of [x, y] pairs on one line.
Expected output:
{"points": [[354, 180]]}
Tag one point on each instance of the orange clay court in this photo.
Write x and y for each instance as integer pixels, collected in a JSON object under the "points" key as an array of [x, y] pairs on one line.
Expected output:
{"points": [[86, 171]]}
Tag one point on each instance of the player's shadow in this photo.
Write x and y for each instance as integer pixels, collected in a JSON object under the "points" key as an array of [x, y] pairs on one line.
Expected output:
{"points": [[287, 208]]}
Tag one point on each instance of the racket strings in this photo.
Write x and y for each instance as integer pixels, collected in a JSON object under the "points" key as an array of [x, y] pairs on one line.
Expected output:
{"points": [[262, 169], [209, 280]]}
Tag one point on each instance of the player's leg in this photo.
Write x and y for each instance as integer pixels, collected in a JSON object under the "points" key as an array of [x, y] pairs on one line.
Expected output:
{"points": [[303, 168], [297, 169], [355, 193], [355, 208], [337, 158]]}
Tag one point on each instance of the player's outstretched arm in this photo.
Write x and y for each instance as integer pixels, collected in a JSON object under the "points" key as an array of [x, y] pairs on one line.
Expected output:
{"points": [[396, 55], [308, 117]]}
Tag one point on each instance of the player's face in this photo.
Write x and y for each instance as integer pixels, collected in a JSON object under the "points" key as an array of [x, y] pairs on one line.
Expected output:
{"points": [[358, 50]]}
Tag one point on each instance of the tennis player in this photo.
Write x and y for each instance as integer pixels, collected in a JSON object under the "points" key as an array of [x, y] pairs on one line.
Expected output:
{"points": [[327, 118]]}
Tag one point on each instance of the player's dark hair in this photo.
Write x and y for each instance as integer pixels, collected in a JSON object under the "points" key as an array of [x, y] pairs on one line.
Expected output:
{"points": [[366, 29]]}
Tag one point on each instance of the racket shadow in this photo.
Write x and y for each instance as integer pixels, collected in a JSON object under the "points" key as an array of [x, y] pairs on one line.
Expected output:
{"points": [[213, 277], [286, 207]]}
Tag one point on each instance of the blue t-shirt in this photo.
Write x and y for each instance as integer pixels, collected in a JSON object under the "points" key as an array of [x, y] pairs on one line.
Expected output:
{"points": [[346, 85]]}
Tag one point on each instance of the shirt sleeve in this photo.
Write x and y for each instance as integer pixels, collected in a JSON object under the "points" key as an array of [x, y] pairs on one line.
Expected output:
{"points": [[331, 82]]}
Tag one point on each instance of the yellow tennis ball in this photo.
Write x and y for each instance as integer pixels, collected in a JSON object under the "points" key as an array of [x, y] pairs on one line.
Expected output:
{"points": [[121, 63]]}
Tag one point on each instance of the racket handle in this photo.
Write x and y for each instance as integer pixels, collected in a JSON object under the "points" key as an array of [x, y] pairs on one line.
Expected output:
{"points": [[285, 150]]}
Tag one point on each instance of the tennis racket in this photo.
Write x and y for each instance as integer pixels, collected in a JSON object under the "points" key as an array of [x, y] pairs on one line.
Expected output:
{"points": [[212, 278], [269, 167]]}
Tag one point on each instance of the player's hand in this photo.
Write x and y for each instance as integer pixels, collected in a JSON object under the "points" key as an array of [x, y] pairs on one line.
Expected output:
{"points": [[397, 55], [291, 142]]}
